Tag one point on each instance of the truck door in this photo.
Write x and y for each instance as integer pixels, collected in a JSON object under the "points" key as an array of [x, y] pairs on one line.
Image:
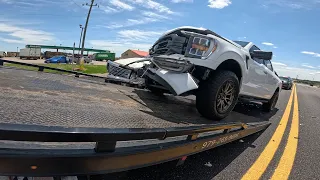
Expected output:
{"points": [[271, 81], [255, 84]]}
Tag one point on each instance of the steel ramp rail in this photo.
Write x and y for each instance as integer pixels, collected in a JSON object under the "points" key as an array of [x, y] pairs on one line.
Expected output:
{"points": [[107, 157], [43, 67]]}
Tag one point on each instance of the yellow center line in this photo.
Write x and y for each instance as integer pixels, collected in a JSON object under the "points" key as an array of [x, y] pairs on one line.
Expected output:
{"points": [[287, 159], [261, 164]]}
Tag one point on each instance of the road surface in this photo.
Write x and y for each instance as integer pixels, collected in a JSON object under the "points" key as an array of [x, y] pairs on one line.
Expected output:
{"points": [[236, 160]]}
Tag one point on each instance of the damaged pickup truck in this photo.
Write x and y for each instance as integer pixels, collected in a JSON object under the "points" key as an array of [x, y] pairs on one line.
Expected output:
{"points": [[197, 61]]}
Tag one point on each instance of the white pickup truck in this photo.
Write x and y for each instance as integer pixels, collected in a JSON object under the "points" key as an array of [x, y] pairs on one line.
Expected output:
{"points": [[190, 60]]}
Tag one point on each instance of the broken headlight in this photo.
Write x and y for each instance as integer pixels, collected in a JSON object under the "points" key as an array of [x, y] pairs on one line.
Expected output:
{"points": [[200, 46]]}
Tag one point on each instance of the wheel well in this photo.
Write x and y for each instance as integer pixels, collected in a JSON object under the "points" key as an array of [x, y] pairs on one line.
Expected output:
{"points": [[231, 65]]}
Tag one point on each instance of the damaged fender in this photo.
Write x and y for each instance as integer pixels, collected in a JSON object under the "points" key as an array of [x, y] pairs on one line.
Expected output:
{"points": [[177, 83]]}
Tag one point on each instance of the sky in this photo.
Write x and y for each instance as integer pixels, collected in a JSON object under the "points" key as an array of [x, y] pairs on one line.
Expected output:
{"points": [[288, 28]]}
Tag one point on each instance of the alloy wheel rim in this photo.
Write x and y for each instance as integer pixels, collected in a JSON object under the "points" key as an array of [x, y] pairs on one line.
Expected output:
{"points": [[225, 97]]}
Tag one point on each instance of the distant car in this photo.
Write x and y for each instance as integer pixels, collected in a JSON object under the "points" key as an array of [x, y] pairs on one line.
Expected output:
{"points": [[57, 59], [286, 83]]}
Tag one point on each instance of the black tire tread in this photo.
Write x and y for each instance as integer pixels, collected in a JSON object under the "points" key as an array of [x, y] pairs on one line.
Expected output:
{"points": [[267, 107], [207, 91]]}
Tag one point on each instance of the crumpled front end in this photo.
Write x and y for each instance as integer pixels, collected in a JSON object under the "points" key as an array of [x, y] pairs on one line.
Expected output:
{"points": [[173, 55], [124, 73]]}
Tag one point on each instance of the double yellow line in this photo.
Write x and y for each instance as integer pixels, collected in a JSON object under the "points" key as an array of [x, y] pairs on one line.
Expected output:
{"points": [[285, 164]]}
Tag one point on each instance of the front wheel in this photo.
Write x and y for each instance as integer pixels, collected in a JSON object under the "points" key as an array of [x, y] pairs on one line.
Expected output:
{"points": [[217, 96], [269, 106]]}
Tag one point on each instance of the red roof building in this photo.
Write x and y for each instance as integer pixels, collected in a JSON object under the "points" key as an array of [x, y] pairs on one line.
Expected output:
{"points": [[134, 54]]}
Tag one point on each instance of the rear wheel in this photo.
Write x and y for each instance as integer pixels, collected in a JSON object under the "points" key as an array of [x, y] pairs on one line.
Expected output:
{"points": [[269, 106], [217, 96]]}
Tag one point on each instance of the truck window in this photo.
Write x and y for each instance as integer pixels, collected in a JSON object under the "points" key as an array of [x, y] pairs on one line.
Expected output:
{"points": [[260, 61], [254, 47], [268, 64]]}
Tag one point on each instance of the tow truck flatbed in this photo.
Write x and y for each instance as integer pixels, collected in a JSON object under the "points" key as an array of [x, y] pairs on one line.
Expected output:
{"points": [[49, 115], [29, 97]]}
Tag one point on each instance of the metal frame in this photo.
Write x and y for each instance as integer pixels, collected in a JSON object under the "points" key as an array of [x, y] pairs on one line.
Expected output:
{"points": [[106, 157], [41, 68]]}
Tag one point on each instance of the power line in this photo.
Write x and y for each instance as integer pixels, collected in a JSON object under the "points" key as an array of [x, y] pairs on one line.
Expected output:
{"points": [[76, 3]]}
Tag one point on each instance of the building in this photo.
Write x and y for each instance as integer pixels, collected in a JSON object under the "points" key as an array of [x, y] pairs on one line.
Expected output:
{"points": [[134, 54]]}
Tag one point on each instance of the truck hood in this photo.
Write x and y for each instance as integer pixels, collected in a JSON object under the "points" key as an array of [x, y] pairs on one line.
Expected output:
{"points": [[132, 60]]}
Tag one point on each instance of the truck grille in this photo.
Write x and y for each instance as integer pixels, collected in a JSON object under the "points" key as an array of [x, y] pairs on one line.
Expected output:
{"points": [[170, 44], [118, 71]]}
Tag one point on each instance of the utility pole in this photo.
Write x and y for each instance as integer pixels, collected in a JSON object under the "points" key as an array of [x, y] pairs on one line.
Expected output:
{"points": [[74, 45], [86, 25], [80, 37]]}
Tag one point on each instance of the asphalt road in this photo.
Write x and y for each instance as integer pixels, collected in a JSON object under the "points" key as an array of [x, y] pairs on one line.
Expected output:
{"points": [[232, 161]]}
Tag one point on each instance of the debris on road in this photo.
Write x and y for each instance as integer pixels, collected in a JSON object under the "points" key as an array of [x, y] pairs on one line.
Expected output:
{"points": [[208, 164]]}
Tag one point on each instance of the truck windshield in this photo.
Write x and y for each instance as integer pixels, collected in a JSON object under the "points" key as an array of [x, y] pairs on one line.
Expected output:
{"points": [[241, 43], [284, 79]]}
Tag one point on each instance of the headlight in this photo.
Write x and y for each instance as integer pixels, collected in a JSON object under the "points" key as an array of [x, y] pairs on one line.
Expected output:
{"points": [[200, 46]]}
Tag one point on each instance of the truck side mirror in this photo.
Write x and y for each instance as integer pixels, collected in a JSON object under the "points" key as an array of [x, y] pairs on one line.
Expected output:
{"points": [[261, 54]]}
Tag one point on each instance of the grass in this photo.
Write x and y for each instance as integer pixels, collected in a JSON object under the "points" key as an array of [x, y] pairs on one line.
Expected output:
{"points": [[88, 68], [308, 82]]}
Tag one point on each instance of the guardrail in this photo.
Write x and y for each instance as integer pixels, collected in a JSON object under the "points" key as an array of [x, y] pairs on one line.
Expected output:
{"points": [[42, 67]]}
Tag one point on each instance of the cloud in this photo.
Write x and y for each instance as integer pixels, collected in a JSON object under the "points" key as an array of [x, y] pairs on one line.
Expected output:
{"points": [[219, 4], [275, 47], [278, 63], [121, 5], [268, 44], [302, 73], [128, 39], [146, 18], [138, 35], [180, 1], [149, 4], [108, 9], [119, 46], [24, 35], [308, 66], [292, 4], [7, 1], [131, 22], [311, 53], [154, 15]]}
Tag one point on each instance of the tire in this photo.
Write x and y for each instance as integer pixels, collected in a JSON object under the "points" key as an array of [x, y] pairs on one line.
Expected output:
{"points": [[269, 106], [58, 62], [208, 98]]}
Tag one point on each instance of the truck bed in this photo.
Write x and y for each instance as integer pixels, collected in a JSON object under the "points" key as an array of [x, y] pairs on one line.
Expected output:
{"points": [[29, 97]]}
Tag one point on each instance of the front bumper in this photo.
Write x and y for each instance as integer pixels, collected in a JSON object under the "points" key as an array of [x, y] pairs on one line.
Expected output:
{"points": [[175, 64], [176, 83], [128, 75]]}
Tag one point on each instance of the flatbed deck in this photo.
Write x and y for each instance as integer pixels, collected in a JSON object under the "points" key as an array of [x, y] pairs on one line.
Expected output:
{"points": [[29, 97], [45, 116]]}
